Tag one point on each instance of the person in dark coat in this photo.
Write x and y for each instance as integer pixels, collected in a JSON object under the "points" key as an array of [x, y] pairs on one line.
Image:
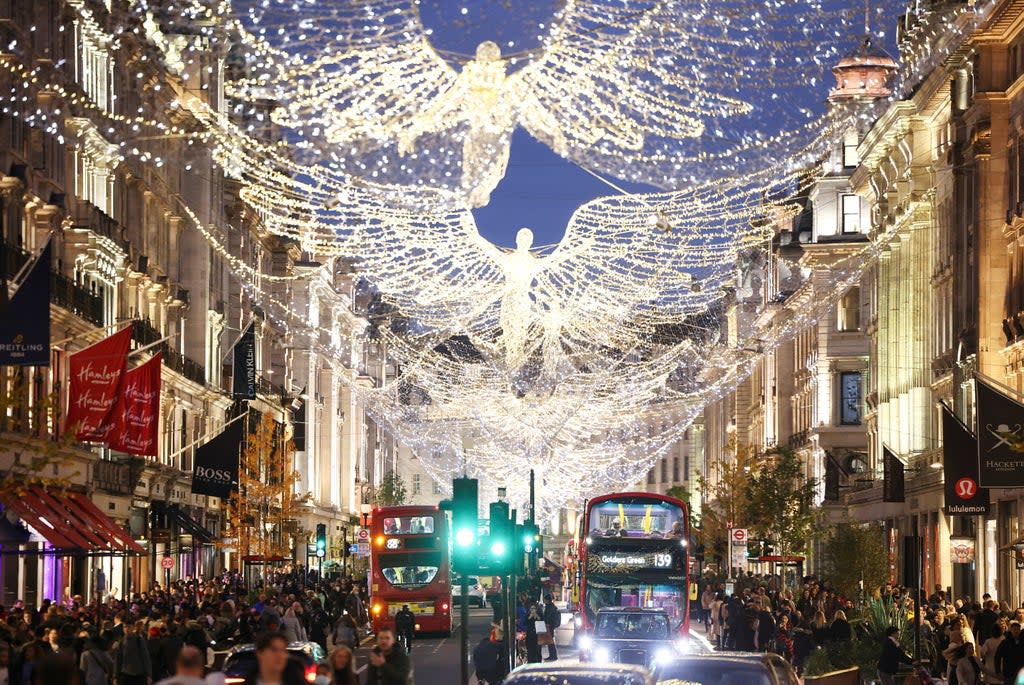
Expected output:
{"points": [[985, 619], [405, 626], [273, 664], [319, 624], [552, 619], [892, 656], [131, 659], [389, 662], [841, 629], [1010, 654], [487, 659]]}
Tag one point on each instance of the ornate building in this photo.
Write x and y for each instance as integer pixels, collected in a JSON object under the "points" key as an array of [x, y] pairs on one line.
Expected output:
{"points": [[149, 232]]}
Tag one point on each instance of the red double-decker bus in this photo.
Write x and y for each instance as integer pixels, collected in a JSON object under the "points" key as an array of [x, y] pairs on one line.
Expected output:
{"points": [[632, 551], [409, 564]]}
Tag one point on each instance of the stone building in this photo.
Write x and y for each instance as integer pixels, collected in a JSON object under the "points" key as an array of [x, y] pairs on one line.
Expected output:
{"points": [[149, 232]]}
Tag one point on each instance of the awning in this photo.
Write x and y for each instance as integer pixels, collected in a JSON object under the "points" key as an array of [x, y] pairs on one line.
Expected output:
{"points": [[71, 522], [11, 534], [190, 526]]}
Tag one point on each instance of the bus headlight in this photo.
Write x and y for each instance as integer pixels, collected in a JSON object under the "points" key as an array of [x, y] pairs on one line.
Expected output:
{"points": [[602, 656], [586, 642]]}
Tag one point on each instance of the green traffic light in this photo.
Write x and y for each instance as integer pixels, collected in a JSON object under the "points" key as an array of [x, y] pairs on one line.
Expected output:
{"points": [[464, 537], [498, 549]]}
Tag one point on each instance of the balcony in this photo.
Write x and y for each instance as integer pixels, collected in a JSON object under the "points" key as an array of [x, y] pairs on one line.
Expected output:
{"points": [[117, 477], [143, 333], [69, 295]]}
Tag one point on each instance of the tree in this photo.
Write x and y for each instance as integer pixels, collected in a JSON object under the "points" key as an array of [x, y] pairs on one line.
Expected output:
{"points": [[855, 553], [391, 491], [781, 500], [263, 512], [726, 501]]}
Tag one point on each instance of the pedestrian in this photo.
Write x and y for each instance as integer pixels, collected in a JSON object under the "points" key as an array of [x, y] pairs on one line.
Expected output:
{"points": [[993, 676], [343, 666], [487, 659], [273, 667], [132, 663], [892, 656], [56, 669], [552, 620], [405, 626], [1010, 654], [533, 617], [6, 675], [707, 598], [346, 632], [188, 670], [30, 654], [319, 624], [389, 662], [968, 670], [841, 629], [291, 624], [96, 665]]}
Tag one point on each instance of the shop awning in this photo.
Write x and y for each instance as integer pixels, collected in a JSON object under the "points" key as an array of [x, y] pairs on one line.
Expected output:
{"points": [[190, 526], [71, 522]]}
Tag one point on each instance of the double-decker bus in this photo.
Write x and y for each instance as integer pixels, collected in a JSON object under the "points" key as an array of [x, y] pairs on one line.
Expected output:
{"points": [[409, 564], [632, 552]]}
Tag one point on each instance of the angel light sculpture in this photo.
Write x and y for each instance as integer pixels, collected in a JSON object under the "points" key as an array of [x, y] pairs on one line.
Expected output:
{"points": [[615, 87]]}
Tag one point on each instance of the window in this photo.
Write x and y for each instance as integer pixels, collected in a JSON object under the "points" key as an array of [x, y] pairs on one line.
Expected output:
{"points": [[850, 149], [849, 310], [851, 213], [849, 398], [416, 484], [409, 525], [437, 488], [675, 470], [686, 467], [664, 471], [650, 477]]}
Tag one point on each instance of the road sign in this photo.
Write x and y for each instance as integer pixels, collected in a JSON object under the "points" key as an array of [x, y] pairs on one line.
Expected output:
{"points": [[739, 557], [364, 549], [353, 548], [167, 563], [739, 536], [363, 535]]}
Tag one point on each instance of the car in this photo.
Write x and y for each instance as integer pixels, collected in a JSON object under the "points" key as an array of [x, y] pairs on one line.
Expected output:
{"points": [[628, 635], [476, 595], [240, 662], [579, 674], [727, 668]]}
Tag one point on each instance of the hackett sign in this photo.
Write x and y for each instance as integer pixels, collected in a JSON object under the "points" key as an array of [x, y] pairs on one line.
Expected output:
{"points": [[1000, 439]]}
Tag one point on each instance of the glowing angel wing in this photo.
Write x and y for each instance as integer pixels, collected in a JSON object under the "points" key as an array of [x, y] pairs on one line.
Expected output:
{"points": [[377, 74], [431, 263], [608, 77], [632, 264]]}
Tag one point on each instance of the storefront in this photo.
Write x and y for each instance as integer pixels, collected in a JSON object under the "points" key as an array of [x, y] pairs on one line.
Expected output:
{"points": [[58, 544]]}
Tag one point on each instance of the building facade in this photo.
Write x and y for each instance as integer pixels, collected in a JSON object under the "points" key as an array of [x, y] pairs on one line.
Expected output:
{"points": [[148, 231]]}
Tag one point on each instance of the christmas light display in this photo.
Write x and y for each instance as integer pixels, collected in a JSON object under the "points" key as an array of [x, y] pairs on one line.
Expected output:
{"points": [[585, 360]]}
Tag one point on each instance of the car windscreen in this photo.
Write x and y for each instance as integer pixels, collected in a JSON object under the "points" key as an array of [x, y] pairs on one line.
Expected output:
{"points": [[632, 626], [244, 663], [712, 672], [563, 678], [410, 571]]}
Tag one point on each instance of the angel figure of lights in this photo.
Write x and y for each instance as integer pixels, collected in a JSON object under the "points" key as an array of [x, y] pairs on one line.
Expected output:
{"points": [[612, 83]]}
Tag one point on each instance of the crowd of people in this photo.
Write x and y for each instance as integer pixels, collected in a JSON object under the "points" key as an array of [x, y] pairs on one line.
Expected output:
{"points": [[968, 642], [160, 635]]}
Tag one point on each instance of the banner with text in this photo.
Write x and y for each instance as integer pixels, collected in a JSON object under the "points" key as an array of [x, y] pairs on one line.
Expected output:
{"points": [[893, 477], [216, 465], [96, 377], [25, 319], [1000, 439], [243, 368], [963, 495], [135, 417]]}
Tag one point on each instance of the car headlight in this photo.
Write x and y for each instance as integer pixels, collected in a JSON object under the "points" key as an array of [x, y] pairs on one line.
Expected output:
{"points": [[662, 654], [586, 642], [602, 656]]}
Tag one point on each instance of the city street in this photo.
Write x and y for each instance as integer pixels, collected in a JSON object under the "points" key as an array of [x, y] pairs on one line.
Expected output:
{"points": [[436, 659]]}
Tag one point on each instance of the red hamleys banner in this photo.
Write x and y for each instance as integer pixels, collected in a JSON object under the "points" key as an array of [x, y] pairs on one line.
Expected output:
{"points": [[97, 373], [135, 418]]}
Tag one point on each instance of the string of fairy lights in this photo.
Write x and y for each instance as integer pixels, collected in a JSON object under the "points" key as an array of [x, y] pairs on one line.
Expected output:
{"points": [[354, 135]]}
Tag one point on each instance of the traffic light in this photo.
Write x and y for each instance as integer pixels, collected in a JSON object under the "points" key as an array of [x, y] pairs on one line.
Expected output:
{"points": [[464, 524], [502, 543], [321, 540], [531, 537]]}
